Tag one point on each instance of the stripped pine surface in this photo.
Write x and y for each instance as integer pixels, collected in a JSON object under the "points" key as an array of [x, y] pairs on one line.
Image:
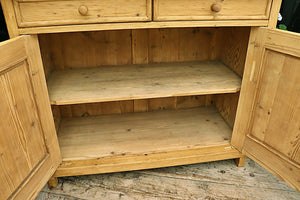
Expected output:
{"points": [[207, 181], [140, 133], [115, 83]]}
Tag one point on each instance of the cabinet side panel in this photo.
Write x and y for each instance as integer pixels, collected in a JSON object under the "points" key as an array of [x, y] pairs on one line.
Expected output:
{"points": [[47, 55], [227, 106], [234, 47]]}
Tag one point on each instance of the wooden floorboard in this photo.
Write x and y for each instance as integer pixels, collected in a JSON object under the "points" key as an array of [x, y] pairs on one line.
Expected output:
{"points": [[115, 83], [220, 180]]}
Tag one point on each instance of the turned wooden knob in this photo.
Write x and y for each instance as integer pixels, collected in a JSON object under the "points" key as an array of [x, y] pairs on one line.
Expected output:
{"points": [[83, 10], [216, 7]]}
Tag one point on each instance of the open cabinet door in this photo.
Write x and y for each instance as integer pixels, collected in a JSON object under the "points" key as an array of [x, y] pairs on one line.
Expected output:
{"points": [[268, 127], [29, 151]]}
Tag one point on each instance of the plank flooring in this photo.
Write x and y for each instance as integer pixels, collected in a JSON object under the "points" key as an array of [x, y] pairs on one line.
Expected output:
{"points": [[220, 180], [115, 83]]}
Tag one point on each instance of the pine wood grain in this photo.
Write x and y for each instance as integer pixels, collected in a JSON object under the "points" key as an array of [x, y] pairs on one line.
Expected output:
{"points": [[250, 79], [130, 162], [138, 105], [22, 145], [134, 141], [233, 45], [227, 106], [10, 18], [269, 117], [141, 25], [47, 53], [272, 132], [172, 10], [124, 47], [29, 151], [140, 81], [96, 49], [48, 13], [140, 133], [276, 5]]}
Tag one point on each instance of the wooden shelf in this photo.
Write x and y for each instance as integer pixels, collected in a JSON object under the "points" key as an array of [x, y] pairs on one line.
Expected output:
{"points": [[114, 83], [142, 133]]}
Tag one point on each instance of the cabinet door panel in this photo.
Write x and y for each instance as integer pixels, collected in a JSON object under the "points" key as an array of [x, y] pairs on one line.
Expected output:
{"points": [[277, 114], [272, 136], [29, 151]]}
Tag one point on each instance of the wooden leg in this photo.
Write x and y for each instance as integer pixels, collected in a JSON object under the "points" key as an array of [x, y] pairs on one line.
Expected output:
{"points": [[52, 183], [240, 162]]}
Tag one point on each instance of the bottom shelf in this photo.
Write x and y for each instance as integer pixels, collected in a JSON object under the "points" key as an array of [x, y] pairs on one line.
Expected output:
{"points": [[110, 143]]}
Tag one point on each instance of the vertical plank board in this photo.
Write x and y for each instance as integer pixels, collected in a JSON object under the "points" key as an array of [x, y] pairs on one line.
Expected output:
{"points": [[12, 155], [197, 44], [79, 110], [145, 46], [66, 110], [90, 49], [190, 101], [162, 103], [56, 47], [27, 119], [210, 100], [110, 107], [140, 46], [286, 106], [93, 109], [164, 45], [126, 106], [271, 74], [140, 105]]}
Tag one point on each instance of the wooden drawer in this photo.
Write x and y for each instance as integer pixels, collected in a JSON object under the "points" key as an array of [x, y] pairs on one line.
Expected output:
{"points": [[166, 10], [66, 12]]}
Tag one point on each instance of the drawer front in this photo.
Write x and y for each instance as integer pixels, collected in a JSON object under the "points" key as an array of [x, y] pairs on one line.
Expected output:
{"points": [[66, 12], [166, 10]]}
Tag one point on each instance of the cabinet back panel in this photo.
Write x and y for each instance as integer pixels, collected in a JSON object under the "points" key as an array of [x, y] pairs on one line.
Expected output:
{"points": [[122, 47], [142, 105], [225, 103], [94, 49]]}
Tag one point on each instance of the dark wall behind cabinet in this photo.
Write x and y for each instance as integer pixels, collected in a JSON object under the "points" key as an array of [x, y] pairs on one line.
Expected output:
{"points": [[290, 12], [3, 29]]}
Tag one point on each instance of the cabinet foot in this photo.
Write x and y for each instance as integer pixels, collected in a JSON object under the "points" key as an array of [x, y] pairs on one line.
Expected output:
{"points": [[240, 162], [52, 183]]}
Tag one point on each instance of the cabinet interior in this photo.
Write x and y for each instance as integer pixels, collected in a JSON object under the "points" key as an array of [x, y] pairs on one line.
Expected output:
{"points": [[143, 91]]}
